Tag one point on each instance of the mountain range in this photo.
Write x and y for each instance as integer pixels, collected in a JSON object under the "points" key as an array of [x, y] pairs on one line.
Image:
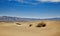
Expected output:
{"points": [[12, 19]]}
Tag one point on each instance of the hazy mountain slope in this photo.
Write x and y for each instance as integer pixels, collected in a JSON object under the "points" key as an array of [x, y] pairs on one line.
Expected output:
{"points": [[8, 18]]}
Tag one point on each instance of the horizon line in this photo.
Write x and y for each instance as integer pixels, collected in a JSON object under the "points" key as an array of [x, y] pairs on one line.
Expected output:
{"points": [[33, 17]]}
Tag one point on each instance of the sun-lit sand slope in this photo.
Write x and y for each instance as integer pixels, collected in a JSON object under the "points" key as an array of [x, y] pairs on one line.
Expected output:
{"points": [[52, 28]]}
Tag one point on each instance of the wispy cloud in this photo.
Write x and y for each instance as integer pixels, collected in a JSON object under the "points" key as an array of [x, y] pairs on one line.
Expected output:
{"points": [[37, 0], [49, 0], [32, 2], [17, 0], [25, 1]]}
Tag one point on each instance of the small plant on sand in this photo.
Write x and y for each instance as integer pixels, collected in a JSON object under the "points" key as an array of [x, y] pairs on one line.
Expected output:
{"points": [[41, 24], [30, 25], [18, 23]]}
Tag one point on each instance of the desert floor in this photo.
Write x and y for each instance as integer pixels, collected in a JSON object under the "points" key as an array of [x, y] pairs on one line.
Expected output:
{"points": [[52, 28]]}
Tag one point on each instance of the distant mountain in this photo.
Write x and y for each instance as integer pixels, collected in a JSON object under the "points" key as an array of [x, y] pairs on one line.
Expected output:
{"points": [[8, 18], [12, 19], [52, 19]]}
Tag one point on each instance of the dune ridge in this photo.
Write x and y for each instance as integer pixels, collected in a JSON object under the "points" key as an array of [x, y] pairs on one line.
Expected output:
{"points": [[52, 28]]}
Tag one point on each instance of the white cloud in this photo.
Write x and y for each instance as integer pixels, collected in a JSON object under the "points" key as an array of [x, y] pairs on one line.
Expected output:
{"points": [[33, 3], [24, 1], [20, 0], [49, 0], [38, 0], [17, 0]]}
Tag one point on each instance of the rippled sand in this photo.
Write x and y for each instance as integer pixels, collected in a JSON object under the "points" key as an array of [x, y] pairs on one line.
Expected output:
{"points": [[52, 28]]}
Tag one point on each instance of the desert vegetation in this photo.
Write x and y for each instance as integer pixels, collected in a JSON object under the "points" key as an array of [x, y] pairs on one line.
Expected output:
{"points": [[30, 25], [18, 23], [42, 24]]}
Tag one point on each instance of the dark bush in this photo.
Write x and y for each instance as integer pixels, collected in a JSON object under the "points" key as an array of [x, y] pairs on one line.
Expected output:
{"points": [[30, 25], [18, 23], [41, 25]]}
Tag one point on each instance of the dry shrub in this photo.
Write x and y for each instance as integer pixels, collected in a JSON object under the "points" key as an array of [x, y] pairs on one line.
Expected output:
{"points": [[30, 25], [18, 23], [41, 25]]}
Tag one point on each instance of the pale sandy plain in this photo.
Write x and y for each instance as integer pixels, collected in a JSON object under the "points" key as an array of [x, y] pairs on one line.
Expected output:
{"points": [[52, 28]]}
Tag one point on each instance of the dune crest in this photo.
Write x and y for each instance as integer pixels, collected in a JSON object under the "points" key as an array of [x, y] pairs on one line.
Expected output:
{"points": [[34, 28]]}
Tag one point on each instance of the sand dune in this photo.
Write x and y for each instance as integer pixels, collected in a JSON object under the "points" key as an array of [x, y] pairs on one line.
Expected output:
{"points": [[52, 28]]}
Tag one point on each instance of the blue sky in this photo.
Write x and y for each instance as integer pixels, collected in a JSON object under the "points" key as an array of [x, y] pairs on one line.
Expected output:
{"points": [[30, 8]]}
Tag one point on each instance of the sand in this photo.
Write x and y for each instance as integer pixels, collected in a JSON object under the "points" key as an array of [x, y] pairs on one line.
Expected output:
{"points": [[52, 28]]}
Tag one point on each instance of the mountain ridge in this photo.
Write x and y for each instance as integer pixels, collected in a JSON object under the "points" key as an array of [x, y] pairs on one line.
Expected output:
{"points": [[9, 18]]}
